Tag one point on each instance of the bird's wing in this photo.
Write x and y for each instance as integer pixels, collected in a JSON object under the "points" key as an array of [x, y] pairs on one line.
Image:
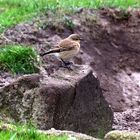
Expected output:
{"points": [[67, 45], [55, 50]]}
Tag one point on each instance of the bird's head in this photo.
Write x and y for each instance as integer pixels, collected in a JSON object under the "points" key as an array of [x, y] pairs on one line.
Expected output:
{"points": [[75, 37]]}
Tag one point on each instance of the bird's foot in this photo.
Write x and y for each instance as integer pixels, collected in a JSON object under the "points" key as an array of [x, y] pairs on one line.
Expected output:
{"points": [[66, 64]]}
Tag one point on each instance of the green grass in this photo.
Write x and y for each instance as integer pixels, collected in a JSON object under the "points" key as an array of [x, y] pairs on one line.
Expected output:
{"points": [[16, 11], [99, 3], [28, 135], [18, 59], [26, 132]]}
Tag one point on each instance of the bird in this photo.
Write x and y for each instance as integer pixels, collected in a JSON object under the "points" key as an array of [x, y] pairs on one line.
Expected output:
{"points": [[66, 49]]}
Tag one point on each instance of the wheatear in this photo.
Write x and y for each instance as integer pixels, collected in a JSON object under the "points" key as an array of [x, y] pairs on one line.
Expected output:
{"points": [[67, 48]]}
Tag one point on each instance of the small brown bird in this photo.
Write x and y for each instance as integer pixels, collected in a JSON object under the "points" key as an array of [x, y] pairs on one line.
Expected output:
{"points": [[67, 48]]}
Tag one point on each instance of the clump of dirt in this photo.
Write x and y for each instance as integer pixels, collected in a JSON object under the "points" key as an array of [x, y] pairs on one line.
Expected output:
{"points": [[128, 120], [111, 47], [6, 78]]}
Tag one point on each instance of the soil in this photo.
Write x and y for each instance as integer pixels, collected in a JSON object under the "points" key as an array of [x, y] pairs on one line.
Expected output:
{"points": [[111, 46]]}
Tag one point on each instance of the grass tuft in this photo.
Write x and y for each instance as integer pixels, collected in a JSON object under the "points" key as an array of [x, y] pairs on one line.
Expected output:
{"points": [[18, 59]]}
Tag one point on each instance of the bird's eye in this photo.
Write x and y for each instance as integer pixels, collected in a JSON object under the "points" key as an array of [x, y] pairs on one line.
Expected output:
{"points": [[77, 39]]}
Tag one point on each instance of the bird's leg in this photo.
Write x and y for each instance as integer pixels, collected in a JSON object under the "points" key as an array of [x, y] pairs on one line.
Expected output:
{"points": [[66, 64]]}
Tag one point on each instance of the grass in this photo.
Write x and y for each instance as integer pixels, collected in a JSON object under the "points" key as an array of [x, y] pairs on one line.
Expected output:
{"points": [[16, 11], [28, 135], [18, 59], [27, 132]]}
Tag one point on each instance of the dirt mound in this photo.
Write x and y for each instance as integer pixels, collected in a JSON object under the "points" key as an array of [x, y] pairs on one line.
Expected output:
{"points": [[114, 46]]}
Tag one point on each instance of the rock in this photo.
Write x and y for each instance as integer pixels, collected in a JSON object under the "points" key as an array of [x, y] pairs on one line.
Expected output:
{"points": [[72, 135], [5, 126], [65, 100], [122, 135]]}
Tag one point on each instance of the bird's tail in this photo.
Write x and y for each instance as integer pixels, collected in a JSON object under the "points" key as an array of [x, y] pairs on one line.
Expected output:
{"points": [[56, 50]]}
